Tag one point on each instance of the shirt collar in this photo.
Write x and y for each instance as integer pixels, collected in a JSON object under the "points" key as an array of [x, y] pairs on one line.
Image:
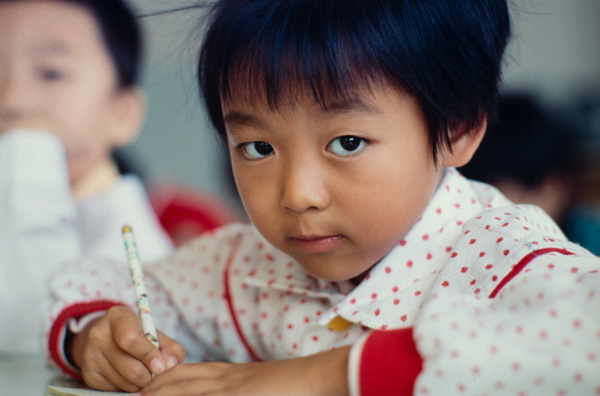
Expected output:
{"points": [[403, 276]]}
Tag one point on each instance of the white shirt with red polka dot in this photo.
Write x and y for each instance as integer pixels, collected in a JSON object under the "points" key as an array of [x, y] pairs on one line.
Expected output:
{"points": [[230, 295]]}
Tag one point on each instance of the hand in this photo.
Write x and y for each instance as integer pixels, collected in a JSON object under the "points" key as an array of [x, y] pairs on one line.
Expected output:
{"points": [[321, 374], [114, 354]]}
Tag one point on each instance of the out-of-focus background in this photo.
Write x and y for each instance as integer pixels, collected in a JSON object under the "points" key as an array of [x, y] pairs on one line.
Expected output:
{"points": [[554, 58]]}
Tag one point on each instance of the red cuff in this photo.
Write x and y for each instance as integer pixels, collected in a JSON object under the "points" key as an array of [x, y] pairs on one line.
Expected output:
{"points": [[57, 331], [389, 363]]}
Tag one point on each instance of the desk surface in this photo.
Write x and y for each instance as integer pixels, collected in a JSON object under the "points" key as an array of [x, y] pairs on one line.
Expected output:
{"points": [[25, 376]]}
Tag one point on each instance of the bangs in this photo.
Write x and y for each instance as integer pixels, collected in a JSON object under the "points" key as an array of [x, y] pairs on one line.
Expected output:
{"points": [[445, 53], [298, 49]]}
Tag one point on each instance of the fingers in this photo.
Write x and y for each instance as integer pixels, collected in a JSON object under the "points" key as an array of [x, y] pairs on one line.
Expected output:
{"points": [[129, 337], [117, 355], [98, 372], [172, 351], [105, 377], [189, 380], [214, 378]]}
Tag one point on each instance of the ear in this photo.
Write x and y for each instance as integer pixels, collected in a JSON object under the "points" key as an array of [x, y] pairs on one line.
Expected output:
{"points": [[129, 113], [464, 144]]}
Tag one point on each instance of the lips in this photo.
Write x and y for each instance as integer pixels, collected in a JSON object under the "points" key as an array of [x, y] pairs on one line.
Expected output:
{"points": [[316, 244]]}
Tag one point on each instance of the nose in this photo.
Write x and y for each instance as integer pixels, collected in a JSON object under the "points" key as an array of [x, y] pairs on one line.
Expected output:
{"points": [[305, 187]]}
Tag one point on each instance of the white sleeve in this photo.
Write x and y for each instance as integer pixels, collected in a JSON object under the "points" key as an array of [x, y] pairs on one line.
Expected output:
{"points": [[186, 297], [354, 366], [38, 233], [540, 335]]}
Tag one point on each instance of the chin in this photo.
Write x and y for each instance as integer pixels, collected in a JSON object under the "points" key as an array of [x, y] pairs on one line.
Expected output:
{"points": [[337, 277]]}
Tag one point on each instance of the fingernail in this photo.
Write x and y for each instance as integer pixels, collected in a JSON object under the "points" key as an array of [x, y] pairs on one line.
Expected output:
{"points": [[157, 366], [172, 361]]}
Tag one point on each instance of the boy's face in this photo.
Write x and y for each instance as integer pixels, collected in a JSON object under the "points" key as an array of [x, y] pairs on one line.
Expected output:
{"points": [[335, 189], [56, 75]]}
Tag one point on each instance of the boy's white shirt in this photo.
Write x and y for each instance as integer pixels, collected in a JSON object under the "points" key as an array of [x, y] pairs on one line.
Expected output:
{"points": [[43, 227], [230, 295]]}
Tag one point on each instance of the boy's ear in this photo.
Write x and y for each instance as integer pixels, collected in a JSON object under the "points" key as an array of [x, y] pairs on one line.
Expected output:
{"points": [[129, 113], [464, 144]]}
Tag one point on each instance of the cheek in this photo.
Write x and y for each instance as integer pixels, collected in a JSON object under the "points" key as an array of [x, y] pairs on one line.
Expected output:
{"points": [[84, 129], [393, 201], [73, 120], [254, 191], [87, 103], [382, 224]]}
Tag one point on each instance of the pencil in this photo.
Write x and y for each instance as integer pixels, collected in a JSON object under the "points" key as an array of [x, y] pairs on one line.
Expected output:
{"points": [[139, 285]]}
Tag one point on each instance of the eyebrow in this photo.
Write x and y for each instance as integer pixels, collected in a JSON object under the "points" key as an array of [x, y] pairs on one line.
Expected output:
{"points": [[328, 110], [52, 47], [350, 105], [242, 119]]}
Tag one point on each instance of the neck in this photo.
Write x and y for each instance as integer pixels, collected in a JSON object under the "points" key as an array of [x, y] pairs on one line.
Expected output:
{"points": [[96, 180]]}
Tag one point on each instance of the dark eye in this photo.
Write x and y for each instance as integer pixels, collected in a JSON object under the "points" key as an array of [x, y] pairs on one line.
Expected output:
{"points": [[346, 145], [50, 74], [257, 150]]}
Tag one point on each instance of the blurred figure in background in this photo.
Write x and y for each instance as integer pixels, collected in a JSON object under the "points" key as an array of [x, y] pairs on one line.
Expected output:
{"points": [[68, 98], [531, 156]]}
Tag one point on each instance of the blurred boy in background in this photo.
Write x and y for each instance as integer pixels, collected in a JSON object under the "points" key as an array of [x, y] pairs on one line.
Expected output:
{"points": [[68, 98]]}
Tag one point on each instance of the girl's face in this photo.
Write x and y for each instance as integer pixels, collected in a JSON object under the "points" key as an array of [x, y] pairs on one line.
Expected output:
{"points": [[335, 189]]}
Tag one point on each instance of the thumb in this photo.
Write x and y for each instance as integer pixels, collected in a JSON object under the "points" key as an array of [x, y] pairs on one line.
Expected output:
{"points": [[128, 334], [152, 358]]}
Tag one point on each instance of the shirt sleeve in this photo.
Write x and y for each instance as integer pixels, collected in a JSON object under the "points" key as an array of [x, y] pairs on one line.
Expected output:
{"points": [[186, 296], [540, 334], [384, 363], [88, 288], [36, 234]]}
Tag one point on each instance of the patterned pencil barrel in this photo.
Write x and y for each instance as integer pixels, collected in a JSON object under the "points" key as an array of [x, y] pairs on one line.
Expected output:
{"points": [[139, 285]]}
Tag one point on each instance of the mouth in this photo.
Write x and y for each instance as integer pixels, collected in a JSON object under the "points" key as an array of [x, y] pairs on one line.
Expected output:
{"points": [[317, 244]]}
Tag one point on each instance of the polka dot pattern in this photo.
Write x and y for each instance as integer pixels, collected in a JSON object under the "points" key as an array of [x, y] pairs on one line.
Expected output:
{"points": [[538, 335], [402, 279], [230, 295]]}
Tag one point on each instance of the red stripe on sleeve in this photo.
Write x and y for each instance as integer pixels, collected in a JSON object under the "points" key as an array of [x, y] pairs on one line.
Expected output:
{"points": [[389, 364], [55, 338], [522, 264]]}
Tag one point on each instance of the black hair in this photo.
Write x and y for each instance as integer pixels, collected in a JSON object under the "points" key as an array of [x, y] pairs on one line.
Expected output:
{"points": [[526, 144], [121, 35], [445, 53]]}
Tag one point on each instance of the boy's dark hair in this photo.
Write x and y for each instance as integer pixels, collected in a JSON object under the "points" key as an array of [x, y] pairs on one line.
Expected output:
{"points": [[446, 53], [121, 35]]}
